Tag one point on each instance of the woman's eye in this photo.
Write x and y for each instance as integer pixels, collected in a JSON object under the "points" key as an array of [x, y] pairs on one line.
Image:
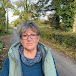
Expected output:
{"points": [[33, 35], [24, 35]]}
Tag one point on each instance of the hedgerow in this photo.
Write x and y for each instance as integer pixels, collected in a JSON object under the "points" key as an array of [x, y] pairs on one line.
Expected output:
{"points": [[69, 39]]}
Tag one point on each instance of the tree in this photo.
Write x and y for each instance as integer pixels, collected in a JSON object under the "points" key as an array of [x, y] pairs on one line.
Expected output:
{"points": [[74, 24], [42, 7], [5, 4], [17, 22], [54, 21], [23, 9], [2, 17], [62, 8], [65, 8], [68, 15]]}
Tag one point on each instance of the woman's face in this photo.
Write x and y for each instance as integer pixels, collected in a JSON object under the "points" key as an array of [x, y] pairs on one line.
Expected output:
{"points": [[30, 40]]}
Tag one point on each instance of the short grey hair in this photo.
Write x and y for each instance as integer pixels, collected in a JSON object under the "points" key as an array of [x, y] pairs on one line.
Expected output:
{"points": [[29, 25]]}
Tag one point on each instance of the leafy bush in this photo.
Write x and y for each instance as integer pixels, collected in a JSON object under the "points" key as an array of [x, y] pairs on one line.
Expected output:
{"points": [[66, 38], [2, 29], [63, 38], [1, 45]]}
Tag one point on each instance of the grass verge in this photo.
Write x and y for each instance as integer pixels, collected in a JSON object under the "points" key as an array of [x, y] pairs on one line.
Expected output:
{"points": [[4, 37], [69, 52], [1, 45]]}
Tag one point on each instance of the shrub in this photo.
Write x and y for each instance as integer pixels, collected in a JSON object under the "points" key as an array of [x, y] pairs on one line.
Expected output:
{"points": [[1, 45], [63, 38]]}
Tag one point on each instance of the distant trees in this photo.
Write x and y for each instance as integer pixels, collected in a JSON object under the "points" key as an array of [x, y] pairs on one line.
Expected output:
{"points": [[2, 17], [24, 8], [63, 8], [27, 10], [54, 21], [41, 7], [4, 5]]}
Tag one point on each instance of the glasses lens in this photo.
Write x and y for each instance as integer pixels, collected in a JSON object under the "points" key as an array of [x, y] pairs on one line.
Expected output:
{"points": [[24, 36], [32, 36]]}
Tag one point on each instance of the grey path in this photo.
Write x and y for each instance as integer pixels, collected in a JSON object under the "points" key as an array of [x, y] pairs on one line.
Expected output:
{"points": [[14, 38], [65, 66]]}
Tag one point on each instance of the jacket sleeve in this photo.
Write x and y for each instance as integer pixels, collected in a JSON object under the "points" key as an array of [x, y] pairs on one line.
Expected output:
{"points": [[55, 67], [5, 70]]}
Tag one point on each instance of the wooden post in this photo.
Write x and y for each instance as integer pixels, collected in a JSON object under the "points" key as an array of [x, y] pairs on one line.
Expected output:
{"points": [[74, 25]]}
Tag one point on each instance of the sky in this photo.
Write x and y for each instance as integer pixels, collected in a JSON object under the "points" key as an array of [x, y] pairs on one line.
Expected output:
{"points": [[13, 0], [11, 17], [10, 14]]}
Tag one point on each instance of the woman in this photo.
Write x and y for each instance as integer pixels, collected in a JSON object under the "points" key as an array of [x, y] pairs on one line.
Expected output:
{"points": [[29, 57]]}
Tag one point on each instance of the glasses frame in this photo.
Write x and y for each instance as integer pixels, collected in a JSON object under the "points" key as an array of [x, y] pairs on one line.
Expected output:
{"points": [[32, 36]]}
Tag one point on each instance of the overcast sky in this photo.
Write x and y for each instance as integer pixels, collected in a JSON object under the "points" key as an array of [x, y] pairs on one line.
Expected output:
{"points": [[10, 14]]}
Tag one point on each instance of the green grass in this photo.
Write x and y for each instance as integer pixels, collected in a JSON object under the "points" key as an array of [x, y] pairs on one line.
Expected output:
{"points": [[70, 52], [3, 37], [46, 29], [1, 45], [10, 30]]}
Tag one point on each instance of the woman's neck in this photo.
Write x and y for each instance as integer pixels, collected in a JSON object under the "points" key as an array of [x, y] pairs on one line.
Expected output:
{"points": [[30, 54]]}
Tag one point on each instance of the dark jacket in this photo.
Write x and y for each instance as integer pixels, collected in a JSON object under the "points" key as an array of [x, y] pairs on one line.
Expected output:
{"points": [[48, 64]]}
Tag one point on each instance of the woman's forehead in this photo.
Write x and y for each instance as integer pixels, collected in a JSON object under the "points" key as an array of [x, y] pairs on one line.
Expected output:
{"points": [[29, 31]]}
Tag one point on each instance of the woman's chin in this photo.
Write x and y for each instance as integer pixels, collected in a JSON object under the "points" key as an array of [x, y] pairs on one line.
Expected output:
{"points": [[29, 49]]}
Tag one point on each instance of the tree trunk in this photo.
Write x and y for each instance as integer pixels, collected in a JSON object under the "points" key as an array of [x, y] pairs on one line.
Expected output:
{"points": [[7, 19], [74, 25]]}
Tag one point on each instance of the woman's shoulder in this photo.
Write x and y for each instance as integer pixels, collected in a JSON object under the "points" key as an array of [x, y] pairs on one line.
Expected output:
{"points": [[15, 45]]}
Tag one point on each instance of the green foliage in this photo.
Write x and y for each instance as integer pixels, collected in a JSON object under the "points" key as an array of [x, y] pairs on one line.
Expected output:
{"points": [[4, 5], [42, 7], [2, 19], [23, 9], [2, 28], [62, 8], [1, 45], [65, 9], [63, 38], [7, 24], [17, 22], [26, 16], [68, 15], [54, 21]]}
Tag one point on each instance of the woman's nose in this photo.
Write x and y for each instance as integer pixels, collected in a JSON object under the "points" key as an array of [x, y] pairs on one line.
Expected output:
{"points": [[29, 38]]}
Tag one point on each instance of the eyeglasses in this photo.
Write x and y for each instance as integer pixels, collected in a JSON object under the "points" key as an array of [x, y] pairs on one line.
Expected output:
{"points": [[32, 36]]}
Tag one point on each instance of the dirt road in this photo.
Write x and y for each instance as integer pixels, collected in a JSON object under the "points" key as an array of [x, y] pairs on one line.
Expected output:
{"points": [[65, 66]]}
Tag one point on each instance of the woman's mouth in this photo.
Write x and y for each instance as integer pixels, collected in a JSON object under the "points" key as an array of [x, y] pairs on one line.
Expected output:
{"points": [[29, 44]]}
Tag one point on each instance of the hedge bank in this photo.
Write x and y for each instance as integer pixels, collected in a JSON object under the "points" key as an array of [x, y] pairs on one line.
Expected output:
{"points": [[63, 38], [1, 45]]}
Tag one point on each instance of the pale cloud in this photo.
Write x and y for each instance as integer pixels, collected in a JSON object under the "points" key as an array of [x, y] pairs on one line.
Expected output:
{"points": [[11, 17]]}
